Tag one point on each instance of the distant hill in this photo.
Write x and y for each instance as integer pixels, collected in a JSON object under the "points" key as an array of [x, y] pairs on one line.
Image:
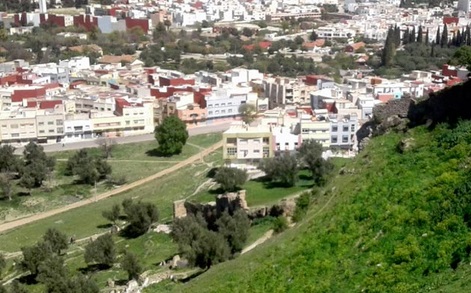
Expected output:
{"points": [[397, 218]]}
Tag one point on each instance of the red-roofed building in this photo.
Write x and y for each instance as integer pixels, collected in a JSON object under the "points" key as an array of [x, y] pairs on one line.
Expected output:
{"points": [[450, 20], [49, 104], [175, 81], [19, 94], [385, 97], [263, 45], [144, 24], [120, 105]]}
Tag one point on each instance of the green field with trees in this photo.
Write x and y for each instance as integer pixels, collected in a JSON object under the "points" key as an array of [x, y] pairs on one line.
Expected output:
{"points": [[394, 219]]}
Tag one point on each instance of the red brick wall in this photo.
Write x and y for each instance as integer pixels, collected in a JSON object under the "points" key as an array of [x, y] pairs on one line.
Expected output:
{"points": [[142, 23]]}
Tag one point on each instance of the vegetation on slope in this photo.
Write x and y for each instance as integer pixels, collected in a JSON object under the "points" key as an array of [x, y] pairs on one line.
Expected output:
{"points": [[397, 219]]}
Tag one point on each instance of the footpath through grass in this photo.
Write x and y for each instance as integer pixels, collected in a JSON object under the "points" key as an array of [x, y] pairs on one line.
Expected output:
{"points": [[87, 220], [132, 161]]}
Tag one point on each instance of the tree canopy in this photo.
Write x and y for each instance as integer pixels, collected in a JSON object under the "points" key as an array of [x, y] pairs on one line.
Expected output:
{"points": [[171, 135], [56, 239], [281, 169], [88, 168], [37, 166], [131, 265], [310, 154], [235, 229], [101, 251], [140, 215], [248, 113], [230, 178]]}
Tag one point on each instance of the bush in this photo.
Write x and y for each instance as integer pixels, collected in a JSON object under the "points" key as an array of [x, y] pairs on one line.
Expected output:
{"points": [[230, 178], [280, 224]]}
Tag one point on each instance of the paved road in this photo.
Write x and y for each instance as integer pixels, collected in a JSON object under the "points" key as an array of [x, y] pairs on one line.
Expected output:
{"points": [[23, 221], [217, 127]]}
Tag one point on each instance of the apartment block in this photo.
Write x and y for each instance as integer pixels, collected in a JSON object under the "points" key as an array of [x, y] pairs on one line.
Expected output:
{"points": [[343, 130], [286, 91], [316, 128], [245, 146]]}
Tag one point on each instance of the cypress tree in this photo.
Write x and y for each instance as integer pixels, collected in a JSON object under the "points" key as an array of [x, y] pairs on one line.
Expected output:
{"points": [[426, 38], [420, 35], [388, 50], [412, 35], [458, 39], [397, 36], [468, 36], [444, 40], [405, 37], [437, 38]]}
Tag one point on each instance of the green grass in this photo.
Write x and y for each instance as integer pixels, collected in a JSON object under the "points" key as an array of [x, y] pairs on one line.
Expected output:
{"points": [[87, 220], [133, 161], [260, 192], [258, 229], [392, 222]]}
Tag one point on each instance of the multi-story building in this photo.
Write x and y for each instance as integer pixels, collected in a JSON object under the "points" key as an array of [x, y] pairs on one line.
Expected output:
{"points": [[224, 101], [77, 127], [286, 91], [343, 130], [245, 146], [316, 128]]}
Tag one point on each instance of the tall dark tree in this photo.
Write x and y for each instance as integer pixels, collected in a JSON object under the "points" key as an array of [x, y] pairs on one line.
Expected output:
{"points": [[397, 36], [468, 36], [420, 35], [412, 36], [406, 37], [438, 37], [387, 55], [427, 37], [171, 135], [444, 38]]}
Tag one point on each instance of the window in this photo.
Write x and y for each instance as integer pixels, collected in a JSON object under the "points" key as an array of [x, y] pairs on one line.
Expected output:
{"points": [[14, 126], [231, 140], [15, 135], [59, 122], [50, 122], [243, 140], [334, 129], [344, 138], [216, 105], [210, 113], [352, 128], [286, 143], [345, 128], [256, 140], [333, 139], [229, 111], [4, 126], [51, 130], [223, 104], [41, 131], [256, 151], [216, 112], [265, 140], [231, 151], [60, 130], [223, 111]]}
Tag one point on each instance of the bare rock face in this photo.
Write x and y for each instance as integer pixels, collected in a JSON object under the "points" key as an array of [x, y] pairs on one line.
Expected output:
{"points": [[288, 206]]}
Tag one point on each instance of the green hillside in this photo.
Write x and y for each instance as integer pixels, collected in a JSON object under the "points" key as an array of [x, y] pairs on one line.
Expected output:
{"points": [[397, 218]]}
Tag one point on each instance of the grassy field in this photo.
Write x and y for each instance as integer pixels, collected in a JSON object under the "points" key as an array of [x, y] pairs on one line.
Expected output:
{"points": [[261, 192], [162, 192], [133, 161]]}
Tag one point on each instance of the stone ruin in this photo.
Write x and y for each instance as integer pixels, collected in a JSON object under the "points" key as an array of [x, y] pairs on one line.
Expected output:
{"points": [[232, 201], [229, 201]]}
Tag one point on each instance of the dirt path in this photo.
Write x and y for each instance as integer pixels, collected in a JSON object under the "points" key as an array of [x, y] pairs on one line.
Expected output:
{"points": [[130, 161], [259, 241], [23, 221]]}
